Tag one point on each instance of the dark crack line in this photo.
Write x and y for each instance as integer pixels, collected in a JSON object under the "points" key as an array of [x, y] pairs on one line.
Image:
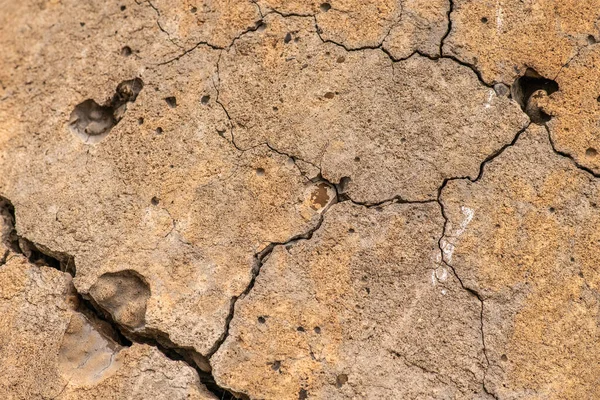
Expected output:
{"points": [[443, 236], [448, 16], [569, 156], [469, 290], [259, 259]]}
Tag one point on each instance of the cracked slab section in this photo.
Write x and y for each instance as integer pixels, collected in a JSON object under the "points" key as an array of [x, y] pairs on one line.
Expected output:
{"points": [[400, 27], [361, 310], [50, 350], [575, 109], [385, 128], [502, 38], [524, 237], [216, 22], [164, 197]]}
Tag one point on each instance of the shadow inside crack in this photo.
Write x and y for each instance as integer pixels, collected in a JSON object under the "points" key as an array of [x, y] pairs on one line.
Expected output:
{"points": [[528, 90]]}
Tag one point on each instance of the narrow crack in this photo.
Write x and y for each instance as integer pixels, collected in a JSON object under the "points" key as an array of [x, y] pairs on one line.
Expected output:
{"points": [[448, 16], [441, 246]]}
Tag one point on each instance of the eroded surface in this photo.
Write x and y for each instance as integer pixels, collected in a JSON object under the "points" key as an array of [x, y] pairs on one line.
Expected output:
{"points": [[299, 199]]}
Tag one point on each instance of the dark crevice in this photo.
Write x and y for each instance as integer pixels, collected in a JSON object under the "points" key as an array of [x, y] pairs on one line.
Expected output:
{"points": [[448, 15], [471, 291], [91, 122], [259, 259], [441, 245], [528, 90], [100, 318]]}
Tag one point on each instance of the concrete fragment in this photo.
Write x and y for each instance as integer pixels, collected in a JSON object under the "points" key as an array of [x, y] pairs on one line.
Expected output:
{"points": [[361, 310], [50, 350]]}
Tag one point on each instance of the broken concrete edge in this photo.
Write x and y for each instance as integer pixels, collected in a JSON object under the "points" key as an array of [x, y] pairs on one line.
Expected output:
{"points": [[442, 243]]}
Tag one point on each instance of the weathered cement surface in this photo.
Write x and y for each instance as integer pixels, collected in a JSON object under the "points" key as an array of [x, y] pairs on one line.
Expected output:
{"points": [[303, 199]]}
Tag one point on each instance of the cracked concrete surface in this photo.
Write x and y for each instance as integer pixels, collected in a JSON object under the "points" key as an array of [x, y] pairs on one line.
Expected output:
{"points": [[266, 199]]}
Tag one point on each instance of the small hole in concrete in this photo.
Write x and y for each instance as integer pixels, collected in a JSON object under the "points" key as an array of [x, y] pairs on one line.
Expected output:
{"points": [[528, 89], [275, 108], [205, 99], [504, 358], [351, 230], [140, 120], [329, 95], [552, 209], [155, 200], [591, 39], [276, 365], [317, 329], [193, 10], [300, 329], [325, 7], [82, 24], [91, 122], [357, 159], [261, 26], [126, 51], [340, 380], [302, 394], [123, 8], [171, 101], [288, 38], [261, 320], [260, 172], [341, 59], [159, 131], [484, 20], [591, 152]]}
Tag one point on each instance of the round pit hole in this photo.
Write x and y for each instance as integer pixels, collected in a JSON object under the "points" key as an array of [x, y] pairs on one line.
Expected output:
{"points": [[591, 152]]}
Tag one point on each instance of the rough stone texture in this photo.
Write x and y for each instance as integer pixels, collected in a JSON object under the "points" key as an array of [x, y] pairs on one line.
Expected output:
{"points": [[362, 116], [576, 110], [401, 27], [50, 350], [357, 312], [502, 38], [524, 237], [300, 199]]}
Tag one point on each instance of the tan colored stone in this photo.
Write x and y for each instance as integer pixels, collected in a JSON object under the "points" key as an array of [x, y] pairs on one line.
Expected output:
{"points": [[394, 129], [576, 110], [49, 350], [361, 310], [401, 27], [502, 38], [524, 237]]}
